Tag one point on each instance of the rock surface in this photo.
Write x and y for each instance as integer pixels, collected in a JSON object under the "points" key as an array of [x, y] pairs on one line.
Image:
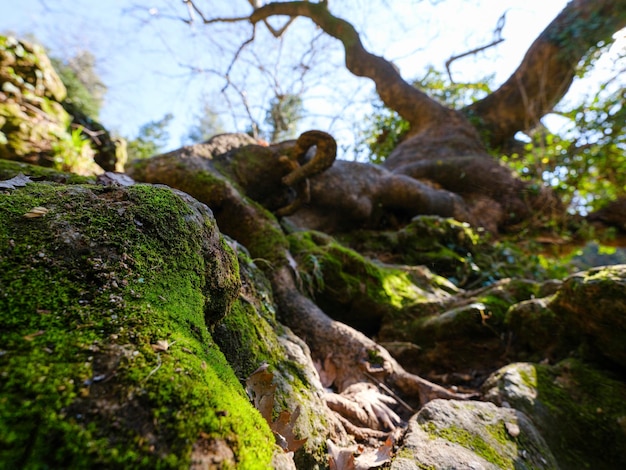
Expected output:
{"points": [[580, 411], [449, 434]]}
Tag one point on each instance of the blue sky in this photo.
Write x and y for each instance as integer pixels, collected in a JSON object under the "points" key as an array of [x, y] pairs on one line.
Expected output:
{"points": [[144, 59]]}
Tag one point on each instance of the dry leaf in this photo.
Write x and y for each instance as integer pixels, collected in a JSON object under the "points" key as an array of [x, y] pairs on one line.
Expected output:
{"points": [[327, 371], [261, 388], [373, 458], [161, 345], [36, 212], [340, 458], [15, 182], [284, 426]]}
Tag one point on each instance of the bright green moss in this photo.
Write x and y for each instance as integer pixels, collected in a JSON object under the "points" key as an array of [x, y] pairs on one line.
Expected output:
{"points": [[86, 292]]}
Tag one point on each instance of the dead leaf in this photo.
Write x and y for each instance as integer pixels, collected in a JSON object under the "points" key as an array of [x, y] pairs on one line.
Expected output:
{"points": [[343, 458], [373, 458], [340, 458], [15, 182], [327, 371], [284, 427], [110, 178], [261, 389], [36, 212], [161, 345]]}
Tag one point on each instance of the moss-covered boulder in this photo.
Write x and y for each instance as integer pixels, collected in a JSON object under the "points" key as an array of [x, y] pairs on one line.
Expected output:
{"points": [[34, 127], [468, 257], [357, 291], [593, 303], [472, 435], [580, 411], [107, 300], [583, 315]]}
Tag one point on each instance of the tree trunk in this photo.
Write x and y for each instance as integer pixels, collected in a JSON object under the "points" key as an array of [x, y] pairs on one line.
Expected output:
{"points": [[547, 70]]}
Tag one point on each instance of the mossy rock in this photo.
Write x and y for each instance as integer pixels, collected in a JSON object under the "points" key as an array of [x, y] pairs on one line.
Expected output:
{"points": [[357, 291], [468, 257], [451, 434], [107, 360], [579, 410], [467, 335], [34, 127], [593, 303]]}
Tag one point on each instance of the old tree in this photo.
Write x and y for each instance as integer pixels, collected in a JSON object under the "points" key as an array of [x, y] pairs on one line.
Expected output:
{"points": [[443, 166], [357, 256]]}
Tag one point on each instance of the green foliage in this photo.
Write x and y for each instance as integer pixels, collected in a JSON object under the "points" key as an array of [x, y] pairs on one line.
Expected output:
{"points": [[382, 132], [452, 94], [208, 124], [385, 129], [85, 90], [584, 163], [151, 139], [283, 116], [71, 150]]}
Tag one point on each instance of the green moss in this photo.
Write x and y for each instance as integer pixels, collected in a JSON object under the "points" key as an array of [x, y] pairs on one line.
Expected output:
{"points": [[34, 127], [581, 411], [469, 258], [10, 169], [350, 287], [85, 291], [477, 443]]}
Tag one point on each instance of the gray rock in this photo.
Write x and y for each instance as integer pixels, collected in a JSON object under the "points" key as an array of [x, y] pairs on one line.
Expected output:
{"points": [[450, 434], [579, 411]]}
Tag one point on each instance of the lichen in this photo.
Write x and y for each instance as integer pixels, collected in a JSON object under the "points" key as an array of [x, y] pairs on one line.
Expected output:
{"points": [[477, 443]]}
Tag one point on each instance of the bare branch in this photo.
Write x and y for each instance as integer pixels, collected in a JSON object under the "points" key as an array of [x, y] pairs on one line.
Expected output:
{"points": [[465, 54], [497, 39], [412, 104], [236, 56], [191, 6]]}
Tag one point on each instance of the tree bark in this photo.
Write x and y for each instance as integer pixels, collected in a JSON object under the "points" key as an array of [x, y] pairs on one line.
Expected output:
{"points": [[547, 70]]}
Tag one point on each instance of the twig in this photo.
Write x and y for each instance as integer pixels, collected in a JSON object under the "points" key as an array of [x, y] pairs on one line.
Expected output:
{"points": [[158, 366], [473, 51]]}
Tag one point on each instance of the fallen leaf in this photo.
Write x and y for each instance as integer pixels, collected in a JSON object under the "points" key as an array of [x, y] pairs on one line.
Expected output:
{"points": [[261, 389], [340, 458], [160, 345], [110, 178], [326, 371], [15, 182], [373, 458], [36, 212], [284, 427]]}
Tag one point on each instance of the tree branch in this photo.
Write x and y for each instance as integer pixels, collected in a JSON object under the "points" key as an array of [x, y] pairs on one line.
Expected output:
{"points": [[412, 104], [547, 70]]}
